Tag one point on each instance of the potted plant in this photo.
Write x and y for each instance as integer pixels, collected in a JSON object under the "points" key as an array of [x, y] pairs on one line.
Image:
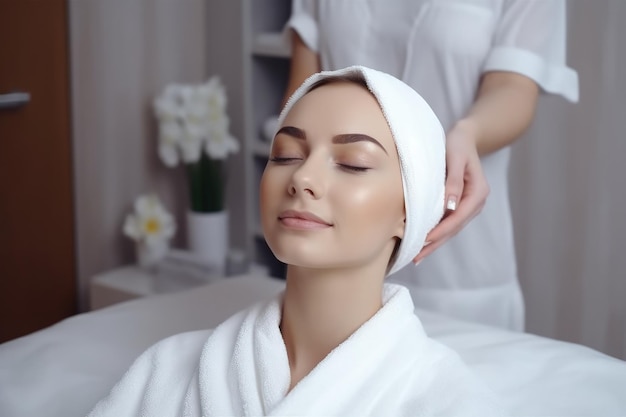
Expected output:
{"points": [[194, 131]]}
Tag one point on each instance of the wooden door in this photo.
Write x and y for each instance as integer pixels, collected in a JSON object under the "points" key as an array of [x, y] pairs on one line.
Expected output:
{"points": [[37, 268]]}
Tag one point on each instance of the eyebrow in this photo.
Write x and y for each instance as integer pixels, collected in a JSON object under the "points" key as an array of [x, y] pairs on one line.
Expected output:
{"points": [[338, 139]]}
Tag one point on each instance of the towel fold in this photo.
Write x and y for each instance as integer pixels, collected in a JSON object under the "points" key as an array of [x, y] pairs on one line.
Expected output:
{"points": [[387, 367]]}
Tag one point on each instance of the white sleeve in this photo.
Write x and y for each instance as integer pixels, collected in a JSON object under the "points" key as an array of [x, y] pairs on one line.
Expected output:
{"points": [[530, 39], [304, 21]]}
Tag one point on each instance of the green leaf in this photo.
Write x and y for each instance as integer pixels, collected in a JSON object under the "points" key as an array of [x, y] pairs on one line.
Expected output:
{"points": [[206, 185]]}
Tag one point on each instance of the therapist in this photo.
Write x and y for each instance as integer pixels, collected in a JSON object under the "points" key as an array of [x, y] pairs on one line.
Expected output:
{"points": [[481, 65]]}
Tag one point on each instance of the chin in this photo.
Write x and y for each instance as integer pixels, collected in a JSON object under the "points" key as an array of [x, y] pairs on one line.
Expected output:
{"points": [[293, 254], [302, 254]]}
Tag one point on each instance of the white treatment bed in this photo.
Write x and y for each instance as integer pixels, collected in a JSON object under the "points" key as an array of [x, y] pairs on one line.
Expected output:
{"points": [[65, 369]]}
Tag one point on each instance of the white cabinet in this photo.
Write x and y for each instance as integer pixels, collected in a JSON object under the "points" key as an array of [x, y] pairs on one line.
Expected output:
{"points": [[247, 50]]}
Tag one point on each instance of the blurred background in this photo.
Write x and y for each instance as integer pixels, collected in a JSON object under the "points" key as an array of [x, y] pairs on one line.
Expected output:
{"points": [[75, 156]]}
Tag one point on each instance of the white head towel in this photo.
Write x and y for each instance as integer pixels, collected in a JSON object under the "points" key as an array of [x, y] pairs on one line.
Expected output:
{"points": [[420, 140]]}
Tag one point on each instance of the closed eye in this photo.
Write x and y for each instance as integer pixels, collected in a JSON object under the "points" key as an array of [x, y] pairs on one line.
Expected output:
{"points": [[353, 168], [283, 160]]}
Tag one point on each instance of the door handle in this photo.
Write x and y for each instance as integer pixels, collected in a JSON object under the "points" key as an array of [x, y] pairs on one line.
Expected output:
{"points": [[14, 100]]}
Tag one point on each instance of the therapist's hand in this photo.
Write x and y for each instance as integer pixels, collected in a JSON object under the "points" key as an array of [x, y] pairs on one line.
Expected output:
{"points": [[466, 187]]}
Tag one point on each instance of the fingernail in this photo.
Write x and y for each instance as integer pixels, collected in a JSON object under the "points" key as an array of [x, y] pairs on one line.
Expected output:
{"points": [[451, 204], [418, 262], [428, 242]]}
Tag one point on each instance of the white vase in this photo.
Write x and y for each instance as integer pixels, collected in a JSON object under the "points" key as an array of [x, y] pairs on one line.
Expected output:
{"points": [[207, 236], [149, 255]]}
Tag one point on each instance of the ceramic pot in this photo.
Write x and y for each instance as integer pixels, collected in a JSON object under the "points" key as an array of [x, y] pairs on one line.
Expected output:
{"points": [[207, 237], [149, 255]]}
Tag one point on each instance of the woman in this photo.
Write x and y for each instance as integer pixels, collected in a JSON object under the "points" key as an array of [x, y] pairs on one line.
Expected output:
{"points": [[353, 185], [480, 64]]}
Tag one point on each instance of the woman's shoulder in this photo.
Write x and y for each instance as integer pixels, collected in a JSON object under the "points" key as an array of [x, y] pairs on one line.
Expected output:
{"points": [[188, 342], [178, 354], [193, 342]]}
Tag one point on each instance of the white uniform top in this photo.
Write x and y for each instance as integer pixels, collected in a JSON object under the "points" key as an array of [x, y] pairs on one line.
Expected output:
{"points": [[441, 48]]}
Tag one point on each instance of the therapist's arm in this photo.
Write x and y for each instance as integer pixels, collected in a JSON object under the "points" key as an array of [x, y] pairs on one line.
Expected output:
{"points": [[503, 110], [304, 63]]}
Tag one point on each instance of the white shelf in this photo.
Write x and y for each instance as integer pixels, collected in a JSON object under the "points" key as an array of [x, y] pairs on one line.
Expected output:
{"points": [[272, 44], [263, 79]]}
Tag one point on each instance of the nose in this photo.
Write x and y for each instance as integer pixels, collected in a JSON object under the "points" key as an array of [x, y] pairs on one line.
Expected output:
{"points": [[309, 179]]}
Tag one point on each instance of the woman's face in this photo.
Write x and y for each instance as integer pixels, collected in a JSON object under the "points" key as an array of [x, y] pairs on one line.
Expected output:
{"points": [[331, 193]]}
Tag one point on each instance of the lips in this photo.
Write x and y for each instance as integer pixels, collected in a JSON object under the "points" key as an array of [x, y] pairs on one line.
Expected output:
{"points": [[302, 220]]}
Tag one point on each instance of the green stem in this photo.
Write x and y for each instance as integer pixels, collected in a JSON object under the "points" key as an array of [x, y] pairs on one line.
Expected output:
{"points": [[206, 185]]}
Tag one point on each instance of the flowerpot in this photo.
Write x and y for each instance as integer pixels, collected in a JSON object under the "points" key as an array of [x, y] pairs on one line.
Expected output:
{"points": [[149, 255], [207, 236]]}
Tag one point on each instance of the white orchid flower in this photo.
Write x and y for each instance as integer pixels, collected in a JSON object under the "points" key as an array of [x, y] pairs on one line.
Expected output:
{"points": [[170, 135], [185, 94], [165, 109], [220, 144], [190, 144], [214, 88], [150, 223], [192, 120]]}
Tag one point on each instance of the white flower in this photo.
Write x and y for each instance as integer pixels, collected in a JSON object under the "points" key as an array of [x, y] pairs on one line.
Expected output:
{"points": [[150, 223], [214, 93], [220, 144], [170, 135], [166, 109], [191, 145], [193, 119]]}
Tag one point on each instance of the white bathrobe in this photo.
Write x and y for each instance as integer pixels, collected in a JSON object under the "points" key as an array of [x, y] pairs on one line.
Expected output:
{"points": [[388, 367]]}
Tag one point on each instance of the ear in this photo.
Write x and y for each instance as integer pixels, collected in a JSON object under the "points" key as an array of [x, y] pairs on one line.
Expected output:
{"points": [[400, 226]]}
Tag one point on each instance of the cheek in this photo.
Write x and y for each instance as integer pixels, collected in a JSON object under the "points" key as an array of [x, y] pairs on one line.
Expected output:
{"points": [[371, 205], [273, 186], [267, 191]]}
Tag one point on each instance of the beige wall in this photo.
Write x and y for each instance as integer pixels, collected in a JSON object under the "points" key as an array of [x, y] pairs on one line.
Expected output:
{"points": [[122, 53]]}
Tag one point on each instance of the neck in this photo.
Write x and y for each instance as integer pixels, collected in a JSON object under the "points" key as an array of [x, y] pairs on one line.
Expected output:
{"points": [[322, 308]]}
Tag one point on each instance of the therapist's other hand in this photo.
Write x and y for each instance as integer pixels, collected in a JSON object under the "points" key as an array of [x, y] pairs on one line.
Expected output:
{"points": [[466, 187]]}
